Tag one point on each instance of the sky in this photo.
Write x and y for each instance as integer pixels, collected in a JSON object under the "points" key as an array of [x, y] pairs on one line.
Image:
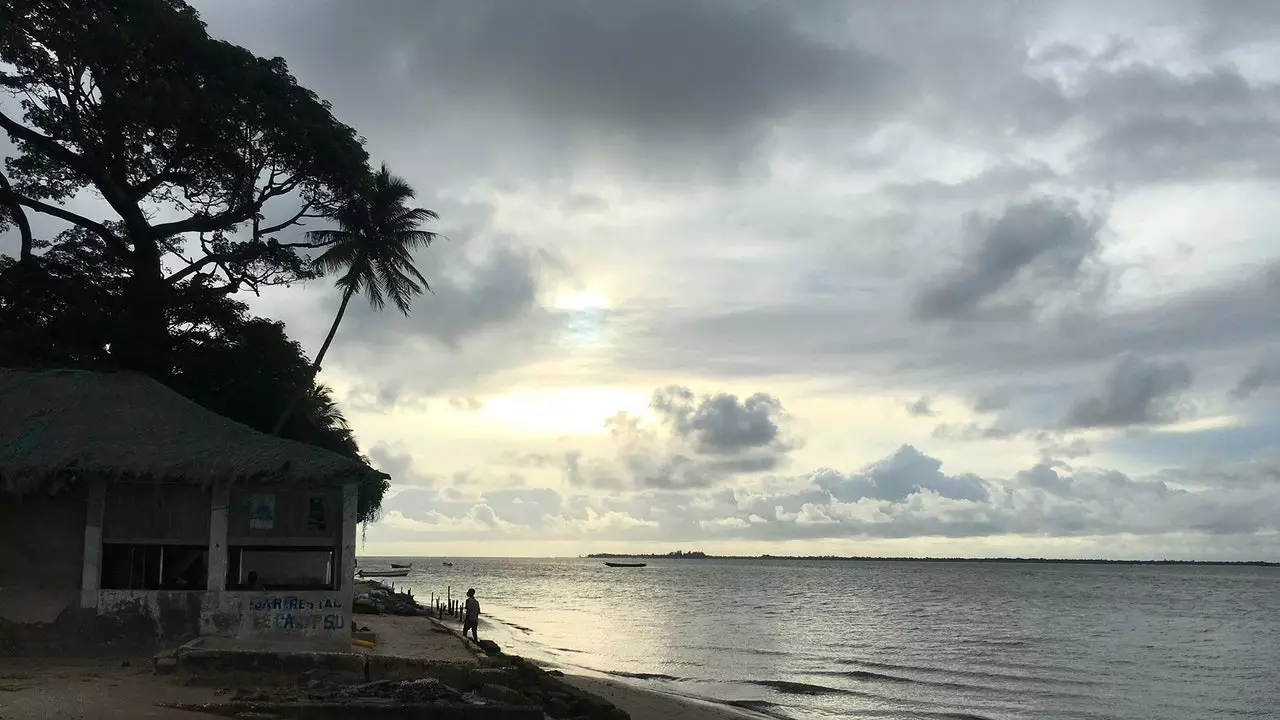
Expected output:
{"points": [[859, 278]]}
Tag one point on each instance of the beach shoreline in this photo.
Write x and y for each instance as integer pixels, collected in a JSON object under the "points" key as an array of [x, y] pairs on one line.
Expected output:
{"points": [[648, 704], [639, 702]]}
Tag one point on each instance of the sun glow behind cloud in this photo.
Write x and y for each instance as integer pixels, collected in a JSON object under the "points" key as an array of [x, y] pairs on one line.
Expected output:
{"points": [[562, 411]]}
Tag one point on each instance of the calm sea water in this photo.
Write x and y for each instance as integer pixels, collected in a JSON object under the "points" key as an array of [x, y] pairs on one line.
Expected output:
{"points": [[801, 639]]}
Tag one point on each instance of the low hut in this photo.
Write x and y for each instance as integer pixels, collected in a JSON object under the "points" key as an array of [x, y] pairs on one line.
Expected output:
{"points": [[128, 512]]}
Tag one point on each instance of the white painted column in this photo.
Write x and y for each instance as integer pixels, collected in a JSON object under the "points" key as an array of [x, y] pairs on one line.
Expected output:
{"points": [[218, 513], [91, 574], [347, 553]]}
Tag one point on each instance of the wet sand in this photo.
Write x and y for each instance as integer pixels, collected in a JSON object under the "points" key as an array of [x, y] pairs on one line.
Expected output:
{"points": [[415, 637], [650, 705]]}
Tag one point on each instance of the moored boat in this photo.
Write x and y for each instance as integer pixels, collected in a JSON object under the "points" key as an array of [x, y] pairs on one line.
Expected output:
{"points": [[624, 565], [400, 572]]}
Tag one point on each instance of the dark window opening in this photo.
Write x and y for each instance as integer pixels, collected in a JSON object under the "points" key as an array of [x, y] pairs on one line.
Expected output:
{"points": [[130, 566], [281, 568]]}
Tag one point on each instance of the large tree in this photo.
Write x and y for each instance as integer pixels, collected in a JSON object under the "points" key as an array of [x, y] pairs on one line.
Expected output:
{"points": [[203, 152]]}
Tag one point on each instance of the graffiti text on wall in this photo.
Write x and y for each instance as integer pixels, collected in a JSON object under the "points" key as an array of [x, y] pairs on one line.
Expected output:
{"points": [[293, 613]]}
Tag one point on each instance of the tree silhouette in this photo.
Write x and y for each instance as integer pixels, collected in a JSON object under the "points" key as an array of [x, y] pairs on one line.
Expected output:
{"points": [[373, 249], [191, 141]]}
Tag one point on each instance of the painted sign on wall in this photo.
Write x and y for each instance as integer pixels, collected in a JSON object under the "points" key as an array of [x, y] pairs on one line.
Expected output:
{"points": [[293, 613]]}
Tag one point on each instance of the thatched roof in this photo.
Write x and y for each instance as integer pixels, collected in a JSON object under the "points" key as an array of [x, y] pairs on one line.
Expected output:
{"points": [[58, 424]]}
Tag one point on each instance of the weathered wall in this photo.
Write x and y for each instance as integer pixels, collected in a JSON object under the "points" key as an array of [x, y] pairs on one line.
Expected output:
{"points": [[317, 618], [41, 555], [176, 514], [293, 515]]}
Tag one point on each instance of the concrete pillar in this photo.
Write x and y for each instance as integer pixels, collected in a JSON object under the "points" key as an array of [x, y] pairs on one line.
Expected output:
{"points": [[218, 513], [91, 573], [347, 553]]}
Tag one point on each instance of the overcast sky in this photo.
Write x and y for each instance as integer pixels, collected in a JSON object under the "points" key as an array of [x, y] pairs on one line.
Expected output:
{"points": [[899, 277]]}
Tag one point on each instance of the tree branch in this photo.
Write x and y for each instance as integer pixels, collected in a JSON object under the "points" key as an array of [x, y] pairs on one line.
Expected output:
{"points": [[291, 221], [7, 196], [113, 241], [45, 143]]}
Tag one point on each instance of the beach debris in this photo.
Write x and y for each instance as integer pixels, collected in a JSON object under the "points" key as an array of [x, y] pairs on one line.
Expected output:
{"points": [[374, 598]]}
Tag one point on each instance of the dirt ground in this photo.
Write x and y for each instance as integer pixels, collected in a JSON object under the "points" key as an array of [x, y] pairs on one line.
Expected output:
{"points": [[415, 637], [91, 690]]}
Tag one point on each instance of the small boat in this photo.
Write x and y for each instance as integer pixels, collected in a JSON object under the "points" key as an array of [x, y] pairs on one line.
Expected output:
{"points": [[448, 564], [618, 564], [398, 565], [400, 572]]}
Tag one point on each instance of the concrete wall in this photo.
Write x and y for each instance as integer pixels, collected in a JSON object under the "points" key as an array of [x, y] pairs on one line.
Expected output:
{"points": [[141, 512], [314, 618], [41, 555], [320, 619], [292, 520]]}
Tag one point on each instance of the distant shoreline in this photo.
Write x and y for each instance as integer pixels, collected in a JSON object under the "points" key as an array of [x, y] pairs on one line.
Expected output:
{"points": [[1007, 560]]}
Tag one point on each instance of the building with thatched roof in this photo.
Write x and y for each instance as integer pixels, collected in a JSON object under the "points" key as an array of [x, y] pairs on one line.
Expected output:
{"points": [[126, 509]]}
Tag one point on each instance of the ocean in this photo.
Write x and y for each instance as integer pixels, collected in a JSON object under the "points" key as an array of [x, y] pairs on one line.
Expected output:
{"points": [[873, 639]]}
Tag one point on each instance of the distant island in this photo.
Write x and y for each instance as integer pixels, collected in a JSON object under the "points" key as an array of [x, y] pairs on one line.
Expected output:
{"points": [[699, 555], [677, 555]]}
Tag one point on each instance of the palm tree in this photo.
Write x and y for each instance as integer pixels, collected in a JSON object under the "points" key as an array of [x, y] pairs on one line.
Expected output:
{"points": [[373, 249]]}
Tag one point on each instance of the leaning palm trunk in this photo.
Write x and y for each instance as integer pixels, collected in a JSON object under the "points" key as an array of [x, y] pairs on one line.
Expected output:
{"points": [[315, 365]]}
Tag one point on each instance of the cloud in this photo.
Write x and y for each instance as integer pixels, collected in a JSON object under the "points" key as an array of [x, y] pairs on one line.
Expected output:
{"points": [[697, 442], [970, 432], [1035, 247], [720, 424], [1264, 373], [466, 404], [400, 466], [904, 495], [992, 400], [921, 407], [906, 472], [1135, 392]]}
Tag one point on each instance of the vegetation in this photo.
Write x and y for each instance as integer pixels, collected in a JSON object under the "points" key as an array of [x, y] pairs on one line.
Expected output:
{"points": [[373, 249], [208, 159]]}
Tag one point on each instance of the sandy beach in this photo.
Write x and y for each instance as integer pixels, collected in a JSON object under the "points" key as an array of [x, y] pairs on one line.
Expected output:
{"points": [[117, 688]]}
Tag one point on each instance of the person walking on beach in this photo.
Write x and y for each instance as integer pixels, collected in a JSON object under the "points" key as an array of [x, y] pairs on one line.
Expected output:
{"points": [[471, 615]]}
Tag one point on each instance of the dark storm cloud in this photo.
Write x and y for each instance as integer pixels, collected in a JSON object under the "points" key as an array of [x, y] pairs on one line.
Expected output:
{"points": [[1044, 243], [721, 424], [660, 85], [1135, 391], [1154, 124], [1264, 373]]}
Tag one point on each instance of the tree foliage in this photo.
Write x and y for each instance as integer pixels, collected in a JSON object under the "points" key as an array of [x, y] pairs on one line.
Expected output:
{"points": [[206, 155], [133, 101]]}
